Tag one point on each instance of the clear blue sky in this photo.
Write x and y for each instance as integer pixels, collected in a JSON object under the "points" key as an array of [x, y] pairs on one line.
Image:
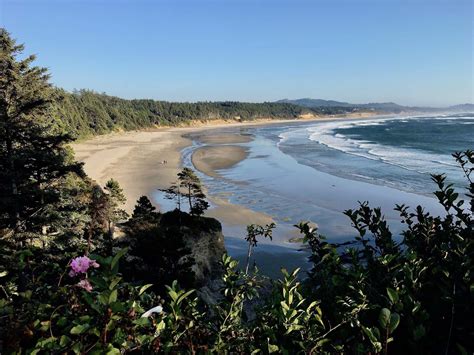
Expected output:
{"points": [[417, 52]]}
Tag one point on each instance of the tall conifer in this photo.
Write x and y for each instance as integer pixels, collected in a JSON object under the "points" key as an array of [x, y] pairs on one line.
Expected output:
{"points": [[33, 156]]}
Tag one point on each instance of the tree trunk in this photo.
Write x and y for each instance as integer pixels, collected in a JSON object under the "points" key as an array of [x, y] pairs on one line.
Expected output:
{"points": [[15, 211], [111, 230], [111, 236], [249, 253], [189, 199], [89, 239]]}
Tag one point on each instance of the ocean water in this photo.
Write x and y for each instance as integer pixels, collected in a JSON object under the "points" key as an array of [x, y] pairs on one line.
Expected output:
{"points": [[400, 152], [314, 171]]}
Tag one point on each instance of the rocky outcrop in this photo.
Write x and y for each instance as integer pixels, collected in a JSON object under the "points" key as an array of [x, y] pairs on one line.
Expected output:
{"points": [[204, 239]]}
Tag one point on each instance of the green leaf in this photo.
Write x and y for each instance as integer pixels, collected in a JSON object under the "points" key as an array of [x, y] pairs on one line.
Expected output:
{"points": [[160, 326], [370, 334], [392, 295], [419, 332], [113, 296], [103, 297], [3, 273], [79, 329], [64, 340], [394, 321], [84, 319], [61, 322], [110, 325], [184, 295], [272, 348], [462, 349], [45, 325], [77, 348], [376, 332], [144, 288], [384, 317], [173, 295], [141, 321], [114, 282], [112, 351], [118, 307], [117, 257]]}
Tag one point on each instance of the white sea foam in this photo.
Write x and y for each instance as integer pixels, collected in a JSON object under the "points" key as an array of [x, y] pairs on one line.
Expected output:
{"points": [[414, 160], [283, 138]]}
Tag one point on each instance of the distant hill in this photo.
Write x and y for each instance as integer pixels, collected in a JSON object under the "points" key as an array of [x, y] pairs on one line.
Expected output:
{"points": [[389, 107], [462, 108], [306, 102], [319, 103]]}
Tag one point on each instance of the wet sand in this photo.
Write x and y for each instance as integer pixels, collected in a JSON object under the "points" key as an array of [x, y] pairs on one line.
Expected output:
{"points": [[135, 160], [210, 159]]}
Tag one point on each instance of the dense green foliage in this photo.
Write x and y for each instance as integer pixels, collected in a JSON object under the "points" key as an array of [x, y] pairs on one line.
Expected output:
{"points": [[86, 113], [382, 296], [158, 250], [61, 289], [33, 156]]}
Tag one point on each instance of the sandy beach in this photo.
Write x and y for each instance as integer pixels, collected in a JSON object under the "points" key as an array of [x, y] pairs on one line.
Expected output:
{"points": [[136, 160], [212, 158], [265, 184]]}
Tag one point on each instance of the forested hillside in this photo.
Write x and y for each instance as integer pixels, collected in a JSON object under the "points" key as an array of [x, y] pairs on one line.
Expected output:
{"points": [[87, 113]]}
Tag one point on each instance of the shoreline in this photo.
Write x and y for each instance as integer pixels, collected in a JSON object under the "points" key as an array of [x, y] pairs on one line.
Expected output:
{"points": [[135, 160]]}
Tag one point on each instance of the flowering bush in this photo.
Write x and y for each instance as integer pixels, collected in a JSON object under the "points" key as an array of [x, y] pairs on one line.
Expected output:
{"points": [[413, 295], [102, 315], [81, 265]]}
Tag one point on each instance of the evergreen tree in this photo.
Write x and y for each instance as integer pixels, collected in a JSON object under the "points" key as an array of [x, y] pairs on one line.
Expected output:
{"points": [[191, 184], [97, 208], [115, 198], [33, 158], [144, 210], [173, 193]]}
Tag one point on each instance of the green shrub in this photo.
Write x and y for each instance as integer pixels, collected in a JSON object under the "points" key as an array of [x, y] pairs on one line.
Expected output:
{"points": [[380, 295]]}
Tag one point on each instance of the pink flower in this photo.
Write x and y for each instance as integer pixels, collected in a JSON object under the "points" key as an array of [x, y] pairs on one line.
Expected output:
{"points": [[85, 284], [81, 264]]}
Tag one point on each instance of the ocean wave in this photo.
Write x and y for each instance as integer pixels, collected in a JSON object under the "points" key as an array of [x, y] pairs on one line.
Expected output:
{"points": [[283, 138], [405, 158], [332, 135]]}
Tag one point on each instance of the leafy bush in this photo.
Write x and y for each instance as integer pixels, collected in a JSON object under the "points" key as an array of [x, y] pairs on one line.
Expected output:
{"points": [[381, 295], [418, 292]]}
